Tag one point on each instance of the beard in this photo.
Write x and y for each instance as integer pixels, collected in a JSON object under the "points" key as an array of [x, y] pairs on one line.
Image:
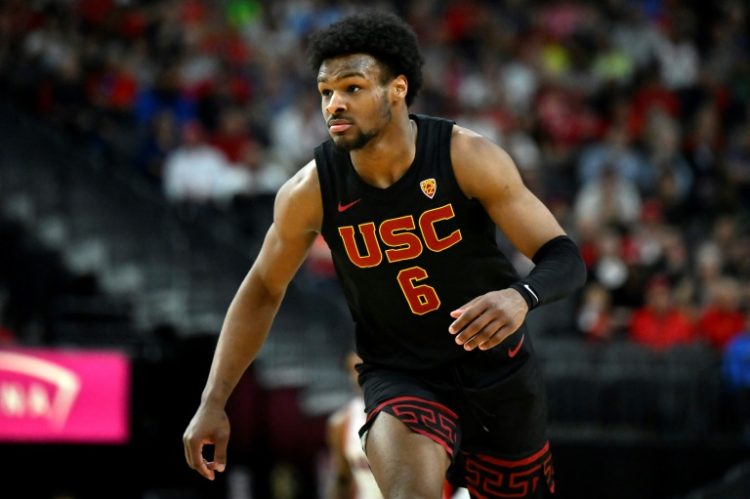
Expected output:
{"points": [[358, 142], [364, 137]]}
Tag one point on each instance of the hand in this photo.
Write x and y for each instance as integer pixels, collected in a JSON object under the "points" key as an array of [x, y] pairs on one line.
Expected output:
{"points": [[487, 320], [208, 426]]}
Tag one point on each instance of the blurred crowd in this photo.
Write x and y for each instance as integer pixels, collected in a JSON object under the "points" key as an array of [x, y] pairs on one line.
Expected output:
{"points": [[629, 118]]}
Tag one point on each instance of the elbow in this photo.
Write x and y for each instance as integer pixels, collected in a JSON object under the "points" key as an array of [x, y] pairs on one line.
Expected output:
{"points": [[258, 289]]}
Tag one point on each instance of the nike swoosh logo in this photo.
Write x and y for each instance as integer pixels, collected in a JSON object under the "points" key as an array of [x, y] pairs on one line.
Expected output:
{"points": [[344, 207], [513, 351]]}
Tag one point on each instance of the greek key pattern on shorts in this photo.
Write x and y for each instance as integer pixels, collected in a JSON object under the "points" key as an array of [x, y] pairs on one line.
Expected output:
{"points": [[488, 477], [426, 417]]}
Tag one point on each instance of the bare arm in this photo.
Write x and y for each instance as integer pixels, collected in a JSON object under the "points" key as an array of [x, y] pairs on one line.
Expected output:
{"points": [[297, 219], [486, 173]]}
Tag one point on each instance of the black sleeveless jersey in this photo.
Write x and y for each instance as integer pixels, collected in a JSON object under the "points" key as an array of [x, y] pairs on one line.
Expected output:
{"points": [[409, 254]]}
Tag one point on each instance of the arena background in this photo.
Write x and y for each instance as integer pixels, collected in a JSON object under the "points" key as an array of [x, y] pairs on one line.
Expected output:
{"points": [[141, 143]]}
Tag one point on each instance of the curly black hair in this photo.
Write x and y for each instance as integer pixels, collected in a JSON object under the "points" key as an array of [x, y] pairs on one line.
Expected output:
{"points": [[381, 34]]}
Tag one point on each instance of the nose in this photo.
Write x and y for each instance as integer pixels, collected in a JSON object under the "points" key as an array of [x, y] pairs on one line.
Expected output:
{"points": [[336, 104]]}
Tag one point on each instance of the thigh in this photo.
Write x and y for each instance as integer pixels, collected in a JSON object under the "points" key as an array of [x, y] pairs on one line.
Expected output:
{"points": [[405, 464], [411, 434], [423, 406]]}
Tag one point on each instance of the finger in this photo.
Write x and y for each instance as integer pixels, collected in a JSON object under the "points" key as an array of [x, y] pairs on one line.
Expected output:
{"points": [[206, 469], [466, 314], [197, 462], [220, 452], [501, 335], [483, 335], [191, 450], [473, 328]]}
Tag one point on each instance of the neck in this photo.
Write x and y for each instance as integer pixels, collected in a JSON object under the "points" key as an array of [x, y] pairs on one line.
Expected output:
{"points": [[387, 157]]}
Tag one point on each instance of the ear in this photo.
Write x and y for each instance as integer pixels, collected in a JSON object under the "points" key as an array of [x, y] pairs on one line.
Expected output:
{"points": [[399, 88]]}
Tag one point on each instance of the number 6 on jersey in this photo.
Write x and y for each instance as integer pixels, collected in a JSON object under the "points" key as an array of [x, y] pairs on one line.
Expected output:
{"points": [[421, 298]]}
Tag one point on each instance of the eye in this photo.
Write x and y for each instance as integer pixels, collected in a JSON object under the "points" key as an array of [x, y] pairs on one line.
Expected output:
{"points": [[353, 89], [326, 92]]}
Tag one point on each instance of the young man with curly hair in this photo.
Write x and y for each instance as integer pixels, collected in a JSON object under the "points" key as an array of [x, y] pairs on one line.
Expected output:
{"points": [[409, 205]]}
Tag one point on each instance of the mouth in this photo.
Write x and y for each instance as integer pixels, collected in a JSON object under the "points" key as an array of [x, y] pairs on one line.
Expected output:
{"points": [[339, 125]]}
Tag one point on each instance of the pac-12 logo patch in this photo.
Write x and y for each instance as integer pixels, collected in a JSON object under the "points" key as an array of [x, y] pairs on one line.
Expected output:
{"points": [[429, 186]]}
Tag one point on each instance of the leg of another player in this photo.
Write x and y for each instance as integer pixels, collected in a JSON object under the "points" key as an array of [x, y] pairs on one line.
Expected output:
{"points": [[405, 464]]}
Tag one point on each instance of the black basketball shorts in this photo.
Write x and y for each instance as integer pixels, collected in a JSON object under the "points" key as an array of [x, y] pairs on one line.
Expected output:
{"points": [[493, 426]]}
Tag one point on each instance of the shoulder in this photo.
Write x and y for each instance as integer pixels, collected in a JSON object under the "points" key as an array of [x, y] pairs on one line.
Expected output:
{"points": [[304, 182], [299, 198], [469, 147], [478, 162]]}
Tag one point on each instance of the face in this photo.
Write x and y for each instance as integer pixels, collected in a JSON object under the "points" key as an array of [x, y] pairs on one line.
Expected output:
{"points": [[355, 102]]}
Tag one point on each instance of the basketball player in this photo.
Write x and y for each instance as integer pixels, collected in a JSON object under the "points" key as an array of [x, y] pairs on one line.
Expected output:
{"points": [[409, 205]]}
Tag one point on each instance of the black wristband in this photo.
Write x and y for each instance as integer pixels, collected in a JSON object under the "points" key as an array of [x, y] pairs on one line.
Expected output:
{"points": [[528, 294], [559, 270]]}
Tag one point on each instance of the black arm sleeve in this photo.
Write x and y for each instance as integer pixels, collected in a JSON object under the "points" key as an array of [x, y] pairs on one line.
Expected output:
{"points": [[558, 272]]}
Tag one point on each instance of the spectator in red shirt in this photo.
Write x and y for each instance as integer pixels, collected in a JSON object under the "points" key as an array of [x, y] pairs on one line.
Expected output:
{"points": [[722, 319], [659, 324]]}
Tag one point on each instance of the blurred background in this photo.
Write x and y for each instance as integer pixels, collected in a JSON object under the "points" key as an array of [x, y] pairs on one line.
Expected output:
{"points": [[142, 142]]}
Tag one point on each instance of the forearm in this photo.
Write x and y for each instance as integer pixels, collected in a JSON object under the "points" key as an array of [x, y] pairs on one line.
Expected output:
{"points": [[243, 333], [559, 271]]}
